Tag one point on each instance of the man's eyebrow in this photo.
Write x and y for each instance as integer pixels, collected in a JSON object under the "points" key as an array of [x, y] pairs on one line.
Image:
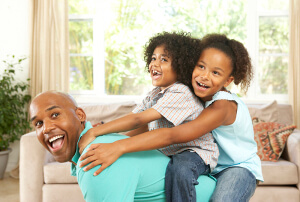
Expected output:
{"points": [[53, 107], [49, 109]]}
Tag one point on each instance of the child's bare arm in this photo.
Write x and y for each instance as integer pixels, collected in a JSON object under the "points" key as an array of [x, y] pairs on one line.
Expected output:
{"points": [[219, 113], [138, 131], [126, 123]]}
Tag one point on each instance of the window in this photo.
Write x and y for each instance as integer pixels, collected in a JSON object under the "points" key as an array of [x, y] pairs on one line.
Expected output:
{"points": [[107, 41]]}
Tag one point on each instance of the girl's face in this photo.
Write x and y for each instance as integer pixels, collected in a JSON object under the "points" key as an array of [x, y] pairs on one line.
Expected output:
{"points": [[212, 73], [160, 68]]}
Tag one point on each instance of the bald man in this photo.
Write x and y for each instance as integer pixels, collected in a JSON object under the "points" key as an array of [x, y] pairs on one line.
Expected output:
{"points": [[60, 123]]}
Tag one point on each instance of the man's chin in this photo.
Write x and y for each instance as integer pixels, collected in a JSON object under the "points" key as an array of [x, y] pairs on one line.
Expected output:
{"points": [[62, 159]]}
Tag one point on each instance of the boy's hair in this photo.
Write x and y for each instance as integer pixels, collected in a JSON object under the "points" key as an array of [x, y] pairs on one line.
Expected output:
{"points": [[183, 50], [241, 63]]}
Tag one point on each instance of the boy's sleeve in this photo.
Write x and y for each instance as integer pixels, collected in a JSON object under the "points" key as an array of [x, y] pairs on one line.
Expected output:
{"points": [[176, 106]]}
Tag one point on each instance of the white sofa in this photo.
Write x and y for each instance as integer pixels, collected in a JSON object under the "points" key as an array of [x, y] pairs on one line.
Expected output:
{"points": [[43, 179]]}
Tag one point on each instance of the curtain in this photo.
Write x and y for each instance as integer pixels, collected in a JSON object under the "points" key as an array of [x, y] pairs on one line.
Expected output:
{"points": [[49, 61], [294, 59]]}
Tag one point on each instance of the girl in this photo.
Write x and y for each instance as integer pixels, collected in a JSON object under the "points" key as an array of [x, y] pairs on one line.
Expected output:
{"points": [[170, 59]]}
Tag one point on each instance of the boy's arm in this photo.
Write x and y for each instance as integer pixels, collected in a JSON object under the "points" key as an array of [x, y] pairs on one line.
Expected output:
{"points": [[137, 131], [125, 123], [129, 122]]}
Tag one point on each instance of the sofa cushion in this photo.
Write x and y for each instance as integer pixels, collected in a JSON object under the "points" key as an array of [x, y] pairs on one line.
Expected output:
{"points": [[267, 112], [107, 112], [58, 173], [281, 172], [270, 138]]}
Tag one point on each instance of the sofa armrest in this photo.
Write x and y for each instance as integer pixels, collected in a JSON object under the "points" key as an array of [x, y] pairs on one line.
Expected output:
{"points": [[293, 150], [32, 157]]}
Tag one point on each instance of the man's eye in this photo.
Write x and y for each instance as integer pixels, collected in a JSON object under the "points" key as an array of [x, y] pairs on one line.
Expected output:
{"points": [[54, 115], [38, 124]]}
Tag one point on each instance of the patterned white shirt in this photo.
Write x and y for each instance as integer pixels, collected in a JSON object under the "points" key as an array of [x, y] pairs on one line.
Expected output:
{"points": [[178, 105]]}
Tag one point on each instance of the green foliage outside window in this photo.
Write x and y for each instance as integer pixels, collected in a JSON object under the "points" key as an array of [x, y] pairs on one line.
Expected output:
{"points": [[130, 23]]}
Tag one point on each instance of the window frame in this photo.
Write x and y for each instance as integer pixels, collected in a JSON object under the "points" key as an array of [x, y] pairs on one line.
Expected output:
{"points": [[252, 45]]}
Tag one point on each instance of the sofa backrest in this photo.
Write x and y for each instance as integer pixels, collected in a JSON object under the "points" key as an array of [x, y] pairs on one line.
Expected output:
{"points": [[273, 112]]}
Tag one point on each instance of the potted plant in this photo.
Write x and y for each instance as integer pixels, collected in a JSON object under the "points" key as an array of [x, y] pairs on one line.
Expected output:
{"points": [[14, 99]]}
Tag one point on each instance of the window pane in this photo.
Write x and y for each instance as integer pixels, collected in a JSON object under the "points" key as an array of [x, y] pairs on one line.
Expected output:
{"points": [[81, 37], [273, 34], [130, 25], [273, 74], [81, 7], [81, 72], [273, 5]]}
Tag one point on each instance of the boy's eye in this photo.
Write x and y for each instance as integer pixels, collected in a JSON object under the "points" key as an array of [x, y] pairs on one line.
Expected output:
{"points": [[153, 58], [164, 59], [215, 73]]}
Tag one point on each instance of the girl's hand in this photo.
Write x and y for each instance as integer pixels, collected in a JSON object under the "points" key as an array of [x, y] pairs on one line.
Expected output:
{"points": [[86, 139], [103, 154]]}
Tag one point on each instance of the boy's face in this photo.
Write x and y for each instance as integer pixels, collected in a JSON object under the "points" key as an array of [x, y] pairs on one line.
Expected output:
{"points": [[58, 124], [161, 71]]}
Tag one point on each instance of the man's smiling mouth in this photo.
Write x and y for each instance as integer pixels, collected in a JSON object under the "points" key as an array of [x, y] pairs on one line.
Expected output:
{"points": [[56, 142]]}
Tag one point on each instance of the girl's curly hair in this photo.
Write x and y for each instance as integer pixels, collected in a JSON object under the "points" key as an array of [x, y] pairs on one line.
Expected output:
{"points": [[242, 69], [183, 50]]}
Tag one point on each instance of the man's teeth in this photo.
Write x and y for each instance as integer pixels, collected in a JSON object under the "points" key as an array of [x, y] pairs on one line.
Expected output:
{"points": [[55, 138]]}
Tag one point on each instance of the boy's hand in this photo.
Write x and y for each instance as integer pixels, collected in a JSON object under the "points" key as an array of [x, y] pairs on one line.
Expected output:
{"points": [[103, 154], [86, 139]]}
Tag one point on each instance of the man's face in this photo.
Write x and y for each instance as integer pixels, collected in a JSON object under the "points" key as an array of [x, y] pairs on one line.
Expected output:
{"points": [[58, 125]]}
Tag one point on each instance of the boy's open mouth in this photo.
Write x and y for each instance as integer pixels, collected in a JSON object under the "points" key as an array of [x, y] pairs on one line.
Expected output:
{"points": [[155, 73]]}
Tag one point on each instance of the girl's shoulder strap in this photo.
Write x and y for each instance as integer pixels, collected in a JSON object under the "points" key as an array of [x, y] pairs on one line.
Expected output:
{"points": [[221, 95]]}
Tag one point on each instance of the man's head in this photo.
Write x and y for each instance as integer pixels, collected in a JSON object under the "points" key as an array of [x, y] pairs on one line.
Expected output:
{"points": [[58, 123]]}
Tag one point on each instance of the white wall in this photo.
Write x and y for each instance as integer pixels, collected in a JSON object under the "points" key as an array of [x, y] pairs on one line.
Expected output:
{"points": [[15, 40]]}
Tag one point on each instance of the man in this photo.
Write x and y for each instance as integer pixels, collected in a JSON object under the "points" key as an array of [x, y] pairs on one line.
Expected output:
{"points": [[59, 124]]}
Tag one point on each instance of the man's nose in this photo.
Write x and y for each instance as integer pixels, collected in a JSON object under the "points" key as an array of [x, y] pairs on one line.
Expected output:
{"points": [[48, 126]]}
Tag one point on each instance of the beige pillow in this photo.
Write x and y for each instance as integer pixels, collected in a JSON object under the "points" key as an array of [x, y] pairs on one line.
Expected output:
{"points": [[267, 113], [107, 112]]}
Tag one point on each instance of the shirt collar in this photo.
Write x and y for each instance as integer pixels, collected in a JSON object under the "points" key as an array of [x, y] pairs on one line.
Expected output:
{"points": [[76, 156]]}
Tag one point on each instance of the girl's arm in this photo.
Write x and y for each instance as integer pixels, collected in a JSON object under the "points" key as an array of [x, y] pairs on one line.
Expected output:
{"points": [[221, 112], [125, 123]]}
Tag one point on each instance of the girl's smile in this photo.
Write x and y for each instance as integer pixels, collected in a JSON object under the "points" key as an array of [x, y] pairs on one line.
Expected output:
{"points": [[212, 73]]}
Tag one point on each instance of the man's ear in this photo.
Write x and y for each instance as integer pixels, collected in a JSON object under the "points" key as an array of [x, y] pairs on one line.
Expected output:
{"points": [[80, 114], [229, 80]]}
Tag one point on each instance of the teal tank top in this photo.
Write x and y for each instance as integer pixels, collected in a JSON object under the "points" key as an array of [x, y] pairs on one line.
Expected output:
{"points": [[236, 142]]}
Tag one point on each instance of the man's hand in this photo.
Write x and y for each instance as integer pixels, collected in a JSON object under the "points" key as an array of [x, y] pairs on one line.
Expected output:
{"points": [[103, 154], [86, 139]]}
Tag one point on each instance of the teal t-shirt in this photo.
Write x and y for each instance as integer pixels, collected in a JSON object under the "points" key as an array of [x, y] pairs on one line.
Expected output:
{"points": [[138, 176]]}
